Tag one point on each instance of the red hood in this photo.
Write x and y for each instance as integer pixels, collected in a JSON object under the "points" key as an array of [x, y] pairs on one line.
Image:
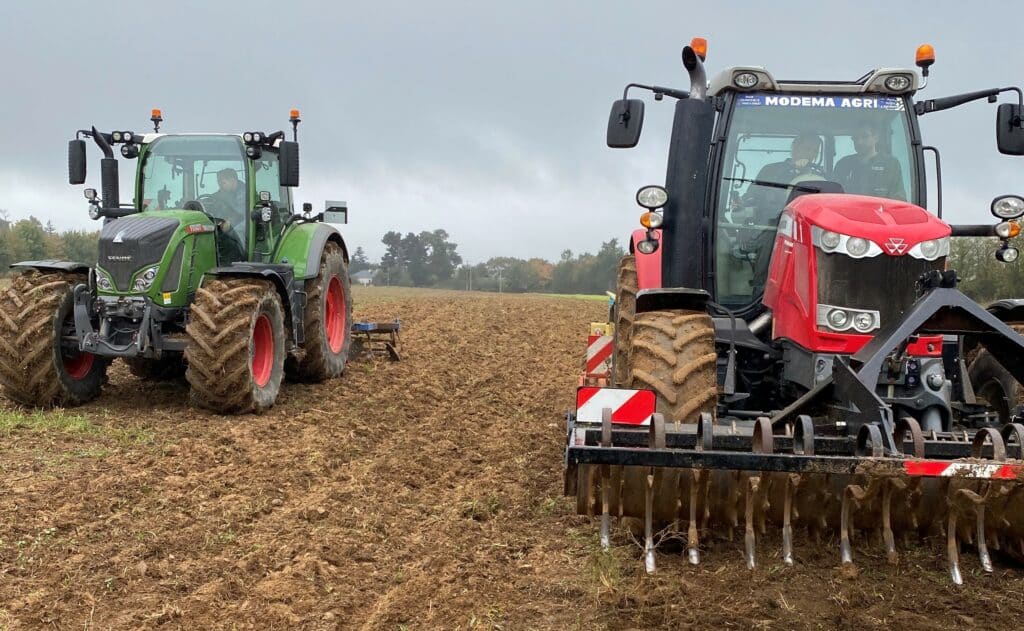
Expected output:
{"points": [[872, 218]]}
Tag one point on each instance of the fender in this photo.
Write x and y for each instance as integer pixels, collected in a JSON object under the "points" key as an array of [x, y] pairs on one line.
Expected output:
{"points": [[302, 246], [291, 290], [1008, 309], [648, 266], [60, 266]]}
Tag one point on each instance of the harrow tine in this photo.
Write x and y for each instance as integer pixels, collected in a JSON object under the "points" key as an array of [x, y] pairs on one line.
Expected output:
{"points": [[698, 488], [953, 549], [656, 440], [762, 443], [606, 441], [751, 487], [986, 560], [887, 537], [803, 443], [845, 552], [787, 527], [693, 533], [649, 524]]}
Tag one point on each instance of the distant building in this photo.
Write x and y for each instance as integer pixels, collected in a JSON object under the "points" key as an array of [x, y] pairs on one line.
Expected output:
{"points": [[364, 277]]}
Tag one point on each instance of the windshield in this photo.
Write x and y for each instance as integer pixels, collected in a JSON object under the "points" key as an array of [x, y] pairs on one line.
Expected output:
{"points": [[854, 143], [207, 169]]}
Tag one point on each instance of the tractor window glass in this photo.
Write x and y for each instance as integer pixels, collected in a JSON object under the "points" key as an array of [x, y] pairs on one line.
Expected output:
{"points": [[778, 142], [209, 170], [267, 175]]}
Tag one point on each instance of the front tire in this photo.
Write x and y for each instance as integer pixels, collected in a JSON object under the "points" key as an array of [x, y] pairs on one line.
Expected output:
{"points": [[236, 346], [327, 320], [40, 365], [623, 314]]}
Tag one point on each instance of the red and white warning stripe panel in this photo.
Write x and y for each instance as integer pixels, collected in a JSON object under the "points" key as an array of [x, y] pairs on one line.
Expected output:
{"points": [[599, 355], [629, 407], [942, 469]]}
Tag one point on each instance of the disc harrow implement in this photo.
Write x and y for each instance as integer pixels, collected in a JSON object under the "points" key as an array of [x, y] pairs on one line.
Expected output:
{"points": [[704, 478]]}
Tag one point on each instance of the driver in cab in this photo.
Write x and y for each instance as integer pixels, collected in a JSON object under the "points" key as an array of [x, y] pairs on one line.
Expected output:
{"points": [[231, 196], [800, 165]]}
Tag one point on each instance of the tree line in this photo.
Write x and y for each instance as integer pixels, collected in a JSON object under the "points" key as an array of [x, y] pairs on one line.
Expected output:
{"points": [[31, 240], [430, 259]]}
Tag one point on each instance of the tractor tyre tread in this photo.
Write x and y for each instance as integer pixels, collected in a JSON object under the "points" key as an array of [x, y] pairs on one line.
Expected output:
{"points": [[32, 310], [220, 338], [624, 313]]}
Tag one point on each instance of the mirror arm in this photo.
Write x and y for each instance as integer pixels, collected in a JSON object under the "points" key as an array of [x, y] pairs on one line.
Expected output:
{"points": [[658, 90], [947, 102]]}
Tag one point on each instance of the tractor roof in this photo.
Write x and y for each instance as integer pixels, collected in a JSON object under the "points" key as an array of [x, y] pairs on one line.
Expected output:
{"points": [[150, 137], [874, 82]]}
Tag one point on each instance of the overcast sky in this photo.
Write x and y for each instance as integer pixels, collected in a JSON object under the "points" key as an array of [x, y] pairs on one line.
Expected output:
{"points": [[482, 118]]}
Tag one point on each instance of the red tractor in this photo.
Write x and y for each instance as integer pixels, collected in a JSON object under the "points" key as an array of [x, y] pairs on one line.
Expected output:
{"points": [[789, 345]]}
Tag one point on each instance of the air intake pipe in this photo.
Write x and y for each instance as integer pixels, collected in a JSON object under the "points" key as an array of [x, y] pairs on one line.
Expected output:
{"points": [[698, 78]]}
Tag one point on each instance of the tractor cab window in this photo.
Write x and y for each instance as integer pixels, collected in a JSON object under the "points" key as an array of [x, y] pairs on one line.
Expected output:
{"points": [[777, 143], [266, 172], [203, 172]]}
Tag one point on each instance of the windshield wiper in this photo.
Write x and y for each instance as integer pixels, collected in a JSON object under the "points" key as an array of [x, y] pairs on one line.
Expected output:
{"points": [[795, 187]]}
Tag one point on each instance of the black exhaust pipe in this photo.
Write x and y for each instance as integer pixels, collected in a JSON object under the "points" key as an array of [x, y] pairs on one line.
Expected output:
{"points": [[109, 183]]}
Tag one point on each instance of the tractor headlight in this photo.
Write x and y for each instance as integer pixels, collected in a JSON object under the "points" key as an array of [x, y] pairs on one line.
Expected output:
{"points": [[745, 80], [830, 240], [838, 318], [863, 322], [103, 281], [647, 246], [841, 319], [651, 197], [1007, 229], [115, 136], [857, 247], [145, 280], [247, 137], [1008, 206], [897, 83], [1009, 254], [931, 249]]}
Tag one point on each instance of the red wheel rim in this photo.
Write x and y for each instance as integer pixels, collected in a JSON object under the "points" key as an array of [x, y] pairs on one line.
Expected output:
{"points": [[335, 316], [78, 366], [262, 351]]}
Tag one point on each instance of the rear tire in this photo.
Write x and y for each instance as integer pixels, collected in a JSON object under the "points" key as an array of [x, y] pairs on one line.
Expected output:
{"points": [[166, 368], [994, 384], [624, 313], [327, 321], [36, 312], [236, 346]]}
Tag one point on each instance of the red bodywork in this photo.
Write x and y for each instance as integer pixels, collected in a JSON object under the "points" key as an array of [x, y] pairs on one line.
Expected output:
{"points": [[792, 292], [648, 266]]}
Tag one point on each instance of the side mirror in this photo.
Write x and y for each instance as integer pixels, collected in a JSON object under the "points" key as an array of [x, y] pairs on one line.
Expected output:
{"points": [[625, 122], [336, 212], [1010, 129], [288, 156], [76, 162]]}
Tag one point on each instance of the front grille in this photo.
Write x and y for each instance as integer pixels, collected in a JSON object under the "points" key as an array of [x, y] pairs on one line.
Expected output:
{"points": [[887, 284], [128, 244]]}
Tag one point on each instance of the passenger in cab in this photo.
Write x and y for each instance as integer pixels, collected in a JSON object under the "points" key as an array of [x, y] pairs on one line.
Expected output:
{"points": [[869, 171]]}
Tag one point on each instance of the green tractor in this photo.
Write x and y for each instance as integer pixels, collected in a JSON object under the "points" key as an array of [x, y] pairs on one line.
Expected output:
{"points": [[209, 273]]}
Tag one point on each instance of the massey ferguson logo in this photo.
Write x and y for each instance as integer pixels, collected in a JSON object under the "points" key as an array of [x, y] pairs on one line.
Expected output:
{"points": [[896, 246]]}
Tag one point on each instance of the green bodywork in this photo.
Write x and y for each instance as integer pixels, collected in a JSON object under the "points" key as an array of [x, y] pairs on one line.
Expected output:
{"points": [[199, 255]]}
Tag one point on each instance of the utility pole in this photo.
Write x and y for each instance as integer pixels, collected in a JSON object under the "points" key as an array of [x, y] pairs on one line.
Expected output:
{"points": [[499, 281]]}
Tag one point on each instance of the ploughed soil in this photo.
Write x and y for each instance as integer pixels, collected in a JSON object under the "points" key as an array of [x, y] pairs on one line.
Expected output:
{"points": [[419, 494]]}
